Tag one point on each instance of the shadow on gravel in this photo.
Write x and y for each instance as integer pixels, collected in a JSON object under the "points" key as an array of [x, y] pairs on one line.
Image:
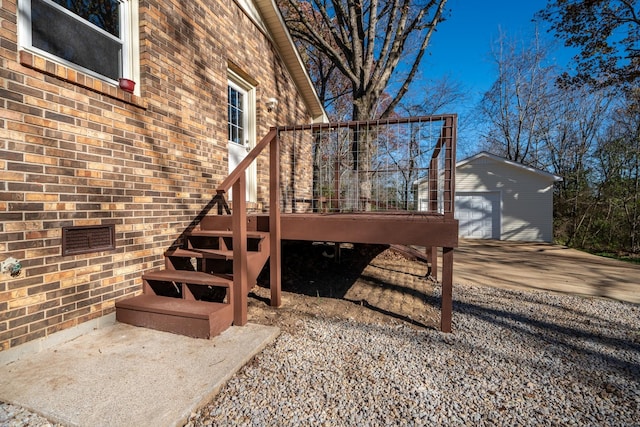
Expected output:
{"points": [[568, 338], [396, 316], [314, 270]]}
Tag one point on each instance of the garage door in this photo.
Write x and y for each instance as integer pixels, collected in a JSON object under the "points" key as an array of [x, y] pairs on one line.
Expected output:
{"points": [[478, 215]]}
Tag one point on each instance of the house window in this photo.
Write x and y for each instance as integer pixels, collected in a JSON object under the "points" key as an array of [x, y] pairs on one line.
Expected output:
{"points": [[92, 36], [237, 105]]}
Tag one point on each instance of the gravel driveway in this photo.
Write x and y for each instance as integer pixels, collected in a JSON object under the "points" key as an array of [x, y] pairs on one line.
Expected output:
{"points": [[513, 265]]}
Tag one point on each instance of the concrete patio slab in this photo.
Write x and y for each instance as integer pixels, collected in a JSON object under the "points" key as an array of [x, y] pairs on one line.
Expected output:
{"points": [[128, 376]]}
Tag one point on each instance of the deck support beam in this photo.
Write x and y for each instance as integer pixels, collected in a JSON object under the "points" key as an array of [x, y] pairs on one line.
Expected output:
{"points": [[446, 309], [432, 256], [275, 269], [239, 227]]}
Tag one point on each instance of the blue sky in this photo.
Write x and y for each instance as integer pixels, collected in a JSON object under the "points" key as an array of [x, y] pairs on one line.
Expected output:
{"points": [[461, 48], [462, 45]]}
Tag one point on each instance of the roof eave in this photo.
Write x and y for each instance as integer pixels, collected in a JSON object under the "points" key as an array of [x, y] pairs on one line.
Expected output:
{"points": [[284, 44], [553, 177]]}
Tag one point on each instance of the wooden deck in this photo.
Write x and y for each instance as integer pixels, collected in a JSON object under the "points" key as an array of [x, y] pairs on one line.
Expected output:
{"points": [[432, 231], [401, 228], [377, 228], [234, 245], [433, 228]]}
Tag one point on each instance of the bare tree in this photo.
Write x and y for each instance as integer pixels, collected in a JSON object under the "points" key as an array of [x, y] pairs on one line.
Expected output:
{"points": [[514, 106], [618, 167], [333, 88], [436, 97], [412, 158], [367, 40], [573, 124], [370, 42]]}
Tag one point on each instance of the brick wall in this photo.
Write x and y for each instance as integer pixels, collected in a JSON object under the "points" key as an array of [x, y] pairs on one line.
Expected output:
{"points": [[78, 151]]}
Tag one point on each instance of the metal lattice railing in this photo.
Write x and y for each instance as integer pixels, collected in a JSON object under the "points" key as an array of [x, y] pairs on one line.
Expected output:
{"points": [[373, 166]]}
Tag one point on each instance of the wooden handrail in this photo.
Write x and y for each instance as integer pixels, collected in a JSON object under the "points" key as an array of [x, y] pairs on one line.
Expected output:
{"points": [[246, 162], [237, 180], [449, 167], [445, 135]]}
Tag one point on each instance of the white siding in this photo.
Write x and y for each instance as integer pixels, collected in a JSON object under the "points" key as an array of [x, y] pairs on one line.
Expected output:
{"points": [[526, 196]]}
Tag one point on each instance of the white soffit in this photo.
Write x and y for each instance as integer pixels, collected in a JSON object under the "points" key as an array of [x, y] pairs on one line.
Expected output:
{"points": [[271, 17]]}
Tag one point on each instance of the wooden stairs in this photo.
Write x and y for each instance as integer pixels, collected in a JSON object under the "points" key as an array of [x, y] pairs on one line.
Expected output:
{"points": [[193, 294]]}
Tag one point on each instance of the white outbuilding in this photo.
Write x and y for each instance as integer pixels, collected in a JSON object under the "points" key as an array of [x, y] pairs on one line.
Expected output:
{"points": [[500, 199]]}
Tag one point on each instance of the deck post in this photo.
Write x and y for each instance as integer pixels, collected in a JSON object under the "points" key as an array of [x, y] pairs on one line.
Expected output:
{"points": [[449, 167], [446, 309], [239, 226], [432, 256], [275, 272]]}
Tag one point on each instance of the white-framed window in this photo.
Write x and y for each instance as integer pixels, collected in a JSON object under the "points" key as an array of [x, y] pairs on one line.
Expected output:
{"points": [[238, 117], [96, 37]]}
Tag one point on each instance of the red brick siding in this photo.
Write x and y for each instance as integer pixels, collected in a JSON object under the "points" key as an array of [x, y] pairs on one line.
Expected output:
{"points": [[78, 151]]}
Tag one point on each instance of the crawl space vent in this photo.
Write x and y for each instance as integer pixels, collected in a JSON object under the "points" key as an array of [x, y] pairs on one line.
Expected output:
{"points": [[85, 239]]}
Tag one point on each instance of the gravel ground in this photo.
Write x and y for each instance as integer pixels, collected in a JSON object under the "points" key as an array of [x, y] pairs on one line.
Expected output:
{"points": [[515, 359], [15, 416]]}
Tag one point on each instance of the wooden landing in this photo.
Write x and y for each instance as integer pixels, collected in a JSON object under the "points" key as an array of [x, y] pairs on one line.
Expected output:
{"points": [[192, 318]]}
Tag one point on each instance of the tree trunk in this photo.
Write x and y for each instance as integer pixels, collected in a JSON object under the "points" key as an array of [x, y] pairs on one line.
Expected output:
{"points": [[361, 151], [316, 200]]}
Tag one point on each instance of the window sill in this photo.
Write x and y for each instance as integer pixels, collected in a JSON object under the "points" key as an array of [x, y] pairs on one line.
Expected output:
{"points": [[77, 78]]}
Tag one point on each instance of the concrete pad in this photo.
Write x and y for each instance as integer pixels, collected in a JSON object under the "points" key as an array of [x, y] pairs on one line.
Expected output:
{"points": [[128, 376]]}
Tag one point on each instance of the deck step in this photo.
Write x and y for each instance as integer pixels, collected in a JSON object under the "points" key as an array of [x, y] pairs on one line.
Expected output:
{"points": [[198, 319], [185, 276], [228, 233], [199, 253]]}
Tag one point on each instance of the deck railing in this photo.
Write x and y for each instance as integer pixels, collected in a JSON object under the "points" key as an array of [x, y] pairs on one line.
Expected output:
{"points": [[403, 164], [374, 166]]}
